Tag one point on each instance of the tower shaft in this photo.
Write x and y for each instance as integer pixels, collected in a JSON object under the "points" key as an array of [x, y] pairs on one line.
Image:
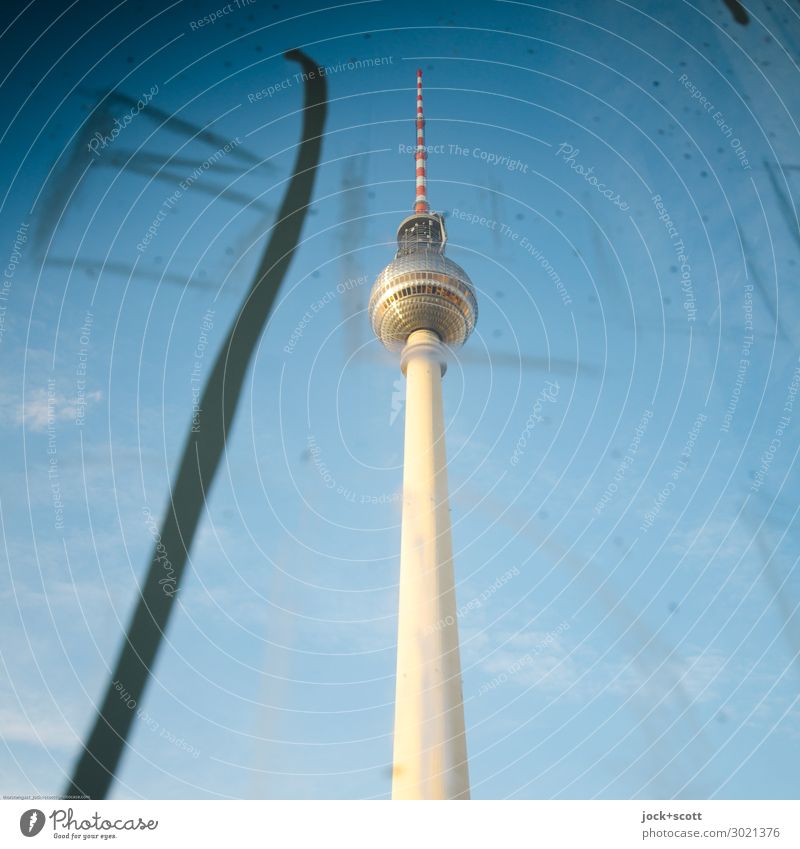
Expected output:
{"points": [[430, 752]]}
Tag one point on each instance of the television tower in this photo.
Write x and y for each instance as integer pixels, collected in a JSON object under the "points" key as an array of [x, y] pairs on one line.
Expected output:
{"points": [[421, 304]]}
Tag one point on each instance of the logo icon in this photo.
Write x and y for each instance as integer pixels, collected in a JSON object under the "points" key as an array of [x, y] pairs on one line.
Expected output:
{"points": [[31, 822], [398, 399]]}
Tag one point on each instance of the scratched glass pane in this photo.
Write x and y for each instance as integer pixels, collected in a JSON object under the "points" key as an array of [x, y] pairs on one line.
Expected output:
{"points": [[619, 184]]}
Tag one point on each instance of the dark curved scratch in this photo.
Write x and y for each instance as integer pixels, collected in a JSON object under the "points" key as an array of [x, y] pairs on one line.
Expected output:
{"points": [[738, 11], [100, 759]]}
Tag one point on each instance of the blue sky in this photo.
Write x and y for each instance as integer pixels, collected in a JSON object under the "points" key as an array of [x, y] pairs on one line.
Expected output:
{"points": [[625, 543]]}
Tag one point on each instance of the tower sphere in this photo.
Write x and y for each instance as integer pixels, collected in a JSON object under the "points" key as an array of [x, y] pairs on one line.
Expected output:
{"points": [[422, 289]]}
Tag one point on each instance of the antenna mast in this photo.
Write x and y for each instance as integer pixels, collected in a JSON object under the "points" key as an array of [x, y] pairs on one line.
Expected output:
{"points": [[420, 156]]}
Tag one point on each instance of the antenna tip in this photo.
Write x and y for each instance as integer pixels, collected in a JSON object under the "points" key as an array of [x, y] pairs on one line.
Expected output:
{"points": [[419, 72]]}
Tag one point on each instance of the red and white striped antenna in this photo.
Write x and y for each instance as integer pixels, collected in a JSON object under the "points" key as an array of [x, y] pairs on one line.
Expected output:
{"points": [[420, 156]]}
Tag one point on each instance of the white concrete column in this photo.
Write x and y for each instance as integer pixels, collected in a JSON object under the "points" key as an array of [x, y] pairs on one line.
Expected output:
{"points": [[430, 750]]}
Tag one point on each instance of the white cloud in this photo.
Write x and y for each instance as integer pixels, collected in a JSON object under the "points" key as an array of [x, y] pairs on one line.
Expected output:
{"points": [[45, 405], [41, 728]]}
